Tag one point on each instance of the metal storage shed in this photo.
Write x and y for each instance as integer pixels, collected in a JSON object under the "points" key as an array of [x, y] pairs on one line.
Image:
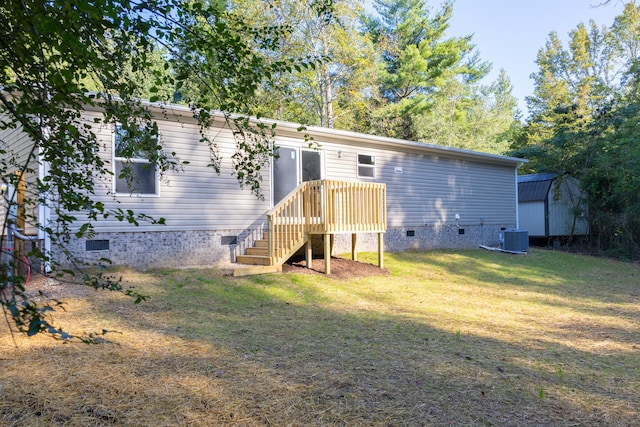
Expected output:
{"points": [[551, 205]]}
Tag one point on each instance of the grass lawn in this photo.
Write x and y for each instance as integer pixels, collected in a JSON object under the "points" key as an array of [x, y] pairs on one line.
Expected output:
{"points": [[447, 338]]}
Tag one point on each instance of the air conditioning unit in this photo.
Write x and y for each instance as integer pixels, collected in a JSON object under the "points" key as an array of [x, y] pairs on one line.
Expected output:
{"points": [[516, 240]]}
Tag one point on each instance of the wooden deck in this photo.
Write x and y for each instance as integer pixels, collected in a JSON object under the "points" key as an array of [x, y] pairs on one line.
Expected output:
{"points": [[322, 207]]}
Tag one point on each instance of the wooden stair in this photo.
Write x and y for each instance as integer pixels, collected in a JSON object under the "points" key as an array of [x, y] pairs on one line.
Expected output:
{"points": [[249, 270], [258, 254], [256, 259], [316, 207]]}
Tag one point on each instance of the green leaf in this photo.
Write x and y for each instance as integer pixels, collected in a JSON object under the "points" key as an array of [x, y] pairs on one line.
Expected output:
{"points": [[83, 229]]}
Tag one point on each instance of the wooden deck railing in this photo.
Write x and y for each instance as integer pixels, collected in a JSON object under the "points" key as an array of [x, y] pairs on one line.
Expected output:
{"points": [[324, 207]]}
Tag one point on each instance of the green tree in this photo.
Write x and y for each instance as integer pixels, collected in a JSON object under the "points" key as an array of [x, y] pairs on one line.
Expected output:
{"points": [[626, 35], [571, 85], [483, 118], [332, 93], [429, 84], [584, 113], [52, 53]]}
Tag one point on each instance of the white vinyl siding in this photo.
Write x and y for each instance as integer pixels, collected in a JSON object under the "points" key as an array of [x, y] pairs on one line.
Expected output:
{"points": [[432, 187], [17, 143], [193, 197], [426, 189]]}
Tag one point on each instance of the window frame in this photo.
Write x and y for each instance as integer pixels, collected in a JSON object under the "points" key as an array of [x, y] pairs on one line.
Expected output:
{"points": [[132, 192], [371, 166], [320, 154]]}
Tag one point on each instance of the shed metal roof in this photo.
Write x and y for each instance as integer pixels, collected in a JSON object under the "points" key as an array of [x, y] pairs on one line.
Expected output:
{"points": [[534, 187]]}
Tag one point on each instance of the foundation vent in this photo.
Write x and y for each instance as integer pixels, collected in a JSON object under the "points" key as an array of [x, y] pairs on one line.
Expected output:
{"points": [[228, 240], [97, 245]]}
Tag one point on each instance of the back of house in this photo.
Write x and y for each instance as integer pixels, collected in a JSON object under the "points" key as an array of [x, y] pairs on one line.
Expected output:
{"points": [[436, 197]]}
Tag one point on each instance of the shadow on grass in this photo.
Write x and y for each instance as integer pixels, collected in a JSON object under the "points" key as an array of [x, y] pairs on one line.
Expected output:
{"points": [[376, 364], [293, 350], [579, 278]]}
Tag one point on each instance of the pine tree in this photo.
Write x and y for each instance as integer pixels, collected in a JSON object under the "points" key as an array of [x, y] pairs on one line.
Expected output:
{"points": [[419, 62]]}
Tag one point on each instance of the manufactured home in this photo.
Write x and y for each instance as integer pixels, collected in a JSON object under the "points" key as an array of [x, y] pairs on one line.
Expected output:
{"points": [[551, 205], [370, 192]]}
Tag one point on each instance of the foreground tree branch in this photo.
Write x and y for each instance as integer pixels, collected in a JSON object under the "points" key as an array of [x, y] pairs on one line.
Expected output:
{"points": [[59, 58]]}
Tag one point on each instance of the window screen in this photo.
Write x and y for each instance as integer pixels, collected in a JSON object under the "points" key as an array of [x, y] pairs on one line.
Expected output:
{"points": [[311, 165]]}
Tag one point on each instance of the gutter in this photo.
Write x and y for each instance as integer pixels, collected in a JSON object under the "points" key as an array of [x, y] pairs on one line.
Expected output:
{"points": [[517, 193]]}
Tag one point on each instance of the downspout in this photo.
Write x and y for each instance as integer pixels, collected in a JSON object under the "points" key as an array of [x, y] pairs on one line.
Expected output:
{"points": [[520, 164], [44, 211]]}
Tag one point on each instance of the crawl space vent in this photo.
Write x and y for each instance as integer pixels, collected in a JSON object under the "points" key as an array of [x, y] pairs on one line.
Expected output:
{"points": [[97, 245], [228, 240]]}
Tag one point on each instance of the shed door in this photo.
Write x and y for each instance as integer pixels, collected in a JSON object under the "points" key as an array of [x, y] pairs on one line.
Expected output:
{"points": [[532, 218]]}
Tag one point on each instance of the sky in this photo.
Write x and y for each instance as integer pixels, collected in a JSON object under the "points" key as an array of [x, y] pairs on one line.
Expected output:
{"points": [[509, 33]]}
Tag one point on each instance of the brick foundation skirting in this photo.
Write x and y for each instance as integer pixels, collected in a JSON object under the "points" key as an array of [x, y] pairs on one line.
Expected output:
{"points": [[211, 248]]}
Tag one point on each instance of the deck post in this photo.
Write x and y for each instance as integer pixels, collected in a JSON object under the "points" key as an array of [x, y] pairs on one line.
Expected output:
{"points": [[327, 254], [309, 252], [354, 254], [381, 250]]}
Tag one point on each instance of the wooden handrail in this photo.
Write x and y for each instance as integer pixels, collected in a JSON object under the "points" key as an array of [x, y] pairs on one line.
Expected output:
{"points": [[325, 207]]}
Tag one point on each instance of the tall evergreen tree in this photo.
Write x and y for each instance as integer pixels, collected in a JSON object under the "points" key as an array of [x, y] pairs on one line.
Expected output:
{"points": [[429, 83]]}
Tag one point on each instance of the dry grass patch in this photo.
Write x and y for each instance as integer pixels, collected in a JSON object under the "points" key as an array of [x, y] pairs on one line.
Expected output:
{"points": [[446, 338]]}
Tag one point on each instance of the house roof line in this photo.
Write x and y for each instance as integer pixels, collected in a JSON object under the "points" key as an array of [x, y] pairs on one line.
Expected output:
{"points": [[318, 131], [421, 146]]}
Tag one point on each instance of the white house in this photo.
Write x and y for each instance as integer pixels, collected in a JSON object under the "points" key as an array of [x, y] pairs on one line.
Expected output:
{"points": [[435, 197]]}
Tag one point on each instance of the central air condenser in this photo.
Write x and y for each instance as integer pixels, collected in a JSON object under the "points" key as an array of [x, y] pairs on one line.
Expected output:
{"points": [[516, 240]]}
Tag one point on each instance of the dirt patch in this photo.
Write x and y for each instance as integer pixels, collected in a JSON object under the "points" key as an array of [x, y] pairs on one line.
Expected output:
{"points": [[341, 268]]}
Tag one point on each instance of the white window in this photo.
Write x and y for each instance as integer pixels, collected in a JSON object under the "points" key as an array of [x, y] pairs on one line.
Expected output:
{"points": [[134, 173], [366, 166]]}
